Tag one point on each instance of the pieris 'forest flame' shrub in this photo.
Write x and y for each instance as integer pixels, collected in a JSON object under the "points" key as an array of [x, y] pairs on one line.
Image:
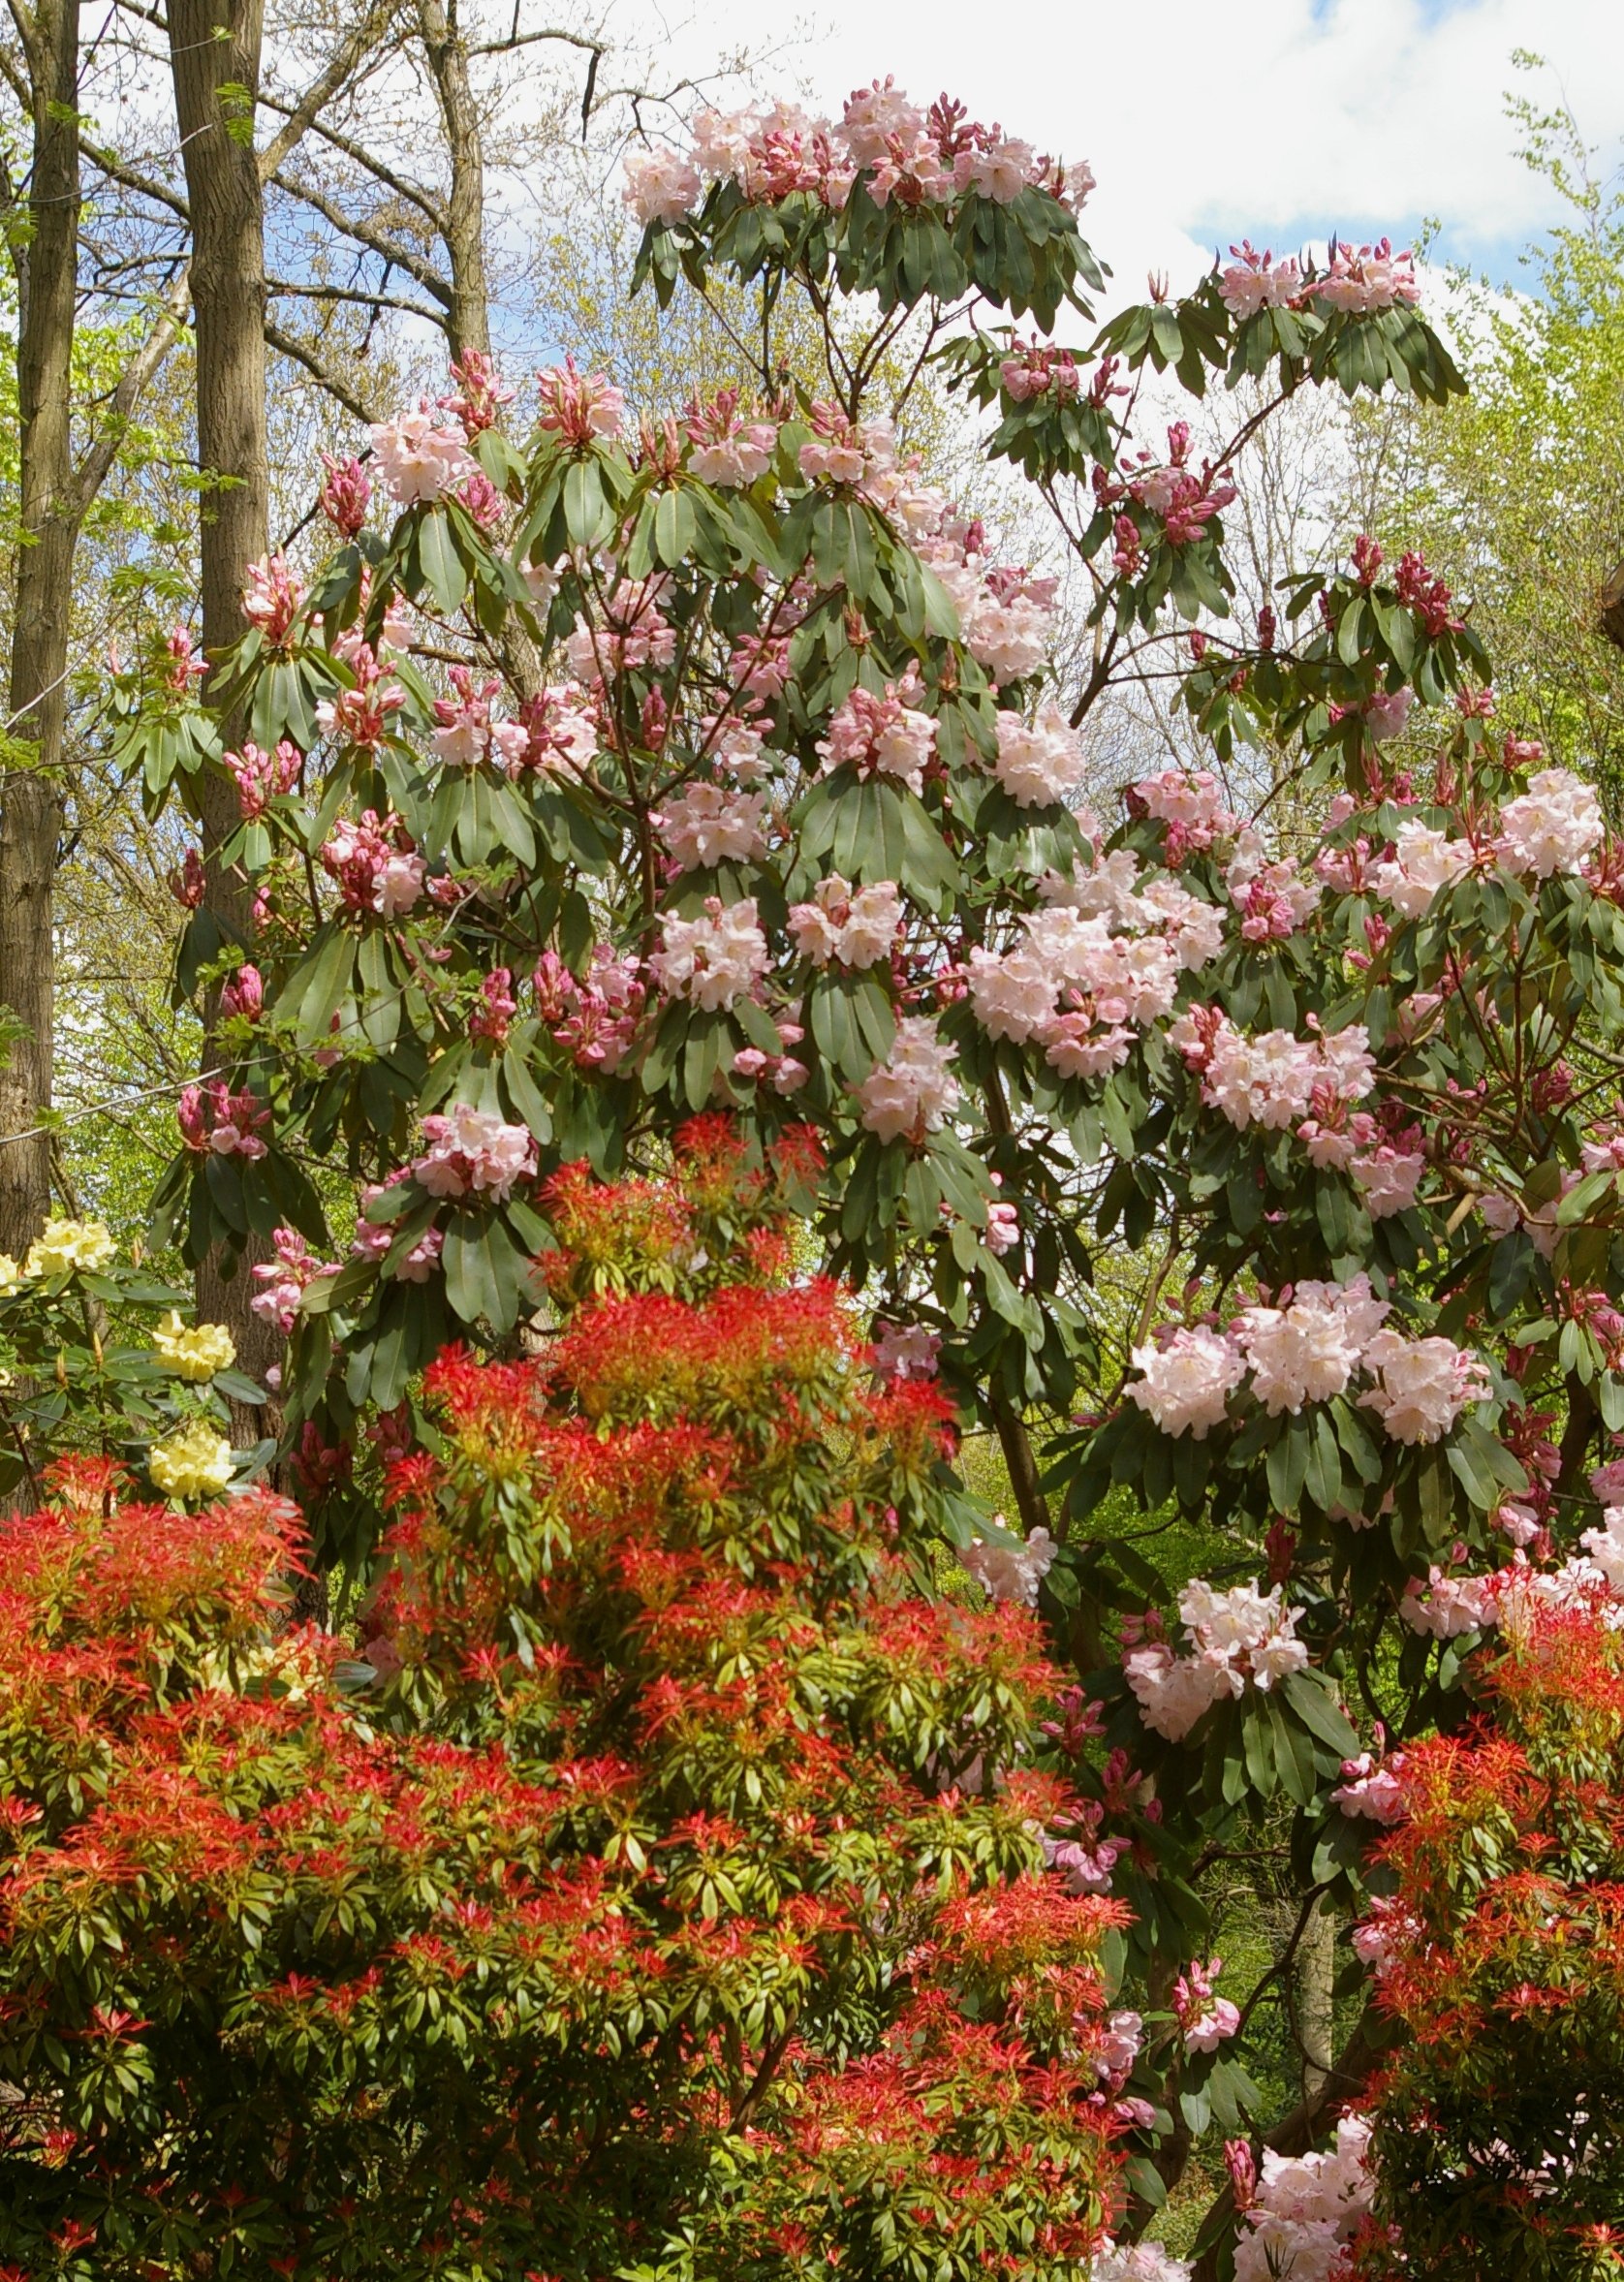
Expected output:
{"points": [[659, 1883]]}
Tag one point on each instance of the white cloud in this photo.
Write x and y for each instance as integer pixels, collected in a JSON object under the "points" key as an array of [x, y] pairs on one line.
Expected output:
{"points": [[1205, 118]]}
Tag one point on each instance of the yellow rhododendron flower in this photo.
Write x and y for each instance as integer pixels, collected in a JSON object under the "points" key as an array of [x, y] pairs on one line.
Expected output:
{"points": [[193, 1351], [10, 1276], [70, 1245], [195, 1463]]}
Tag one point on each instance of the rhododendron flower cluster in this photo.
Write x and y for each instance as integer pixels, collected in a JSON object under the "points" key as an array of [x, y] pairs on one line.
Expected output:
{"points": [[473, 1152], [1306, 1349], [1011, 1572], [374, 863], [261, 777], [705, 825], [1372, 1787], [420, 454], [908, 155], [191, 1464], [285, 1277], [714, 959], [855, 926], [68, 1247], [1551, 828], [578, 407], [915, 1090], [1235, 1637], [1271, 1079], [884, 735], [273, 598], [213, 1120], [1186, 1380], [1307, 2209], [1040, 762], [1204, 2019], [193, 1351]]}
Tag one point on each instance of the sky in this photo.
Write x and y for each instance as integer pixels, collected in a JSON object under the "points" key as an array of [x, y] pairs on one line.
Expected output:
{"points": [[1205, 120]]}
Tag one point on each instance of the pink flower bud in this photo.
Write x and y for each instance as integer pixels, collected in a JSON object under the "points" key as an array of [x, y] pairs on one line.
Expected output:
{"points": [[346, 495], [245, 996]]}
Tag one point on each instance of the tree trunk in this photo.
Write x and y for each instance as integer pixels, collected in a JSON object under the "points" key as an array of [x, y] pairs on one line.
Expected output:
{"points": [[1022, 1460], [47, 259], [1316, 1997], [214, 53], [468, 320]]}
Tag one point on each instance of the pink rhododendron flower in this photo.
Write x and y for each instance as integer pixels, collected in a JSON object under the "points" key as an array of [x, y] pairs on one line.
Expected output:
{"points": [[882, 735], [578, 407], [419, 456], [1185, 1384], [714, 959], [473, 1152], [1011, 1572], [855, 926], [905, 1351], [374, 863], [1424, 1384], [1040, 762], [661, 184], [1206, 2019], [705, 825], [1369, 280], [916, 1090], [1551, 828], [273, 598]]}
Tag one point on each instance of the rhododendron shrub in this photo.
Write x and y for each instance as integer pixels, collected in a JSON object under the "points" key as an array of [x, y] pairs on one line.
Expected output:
{"points": [[746, 789], [622, 765], [658, 1883], [1497, 1941]]}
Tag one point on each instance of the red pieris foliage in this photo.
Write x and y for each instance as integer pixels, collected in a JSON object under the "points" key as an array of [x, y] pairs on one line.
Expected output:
{"points": [[655, 1884], [1499, 1952]]}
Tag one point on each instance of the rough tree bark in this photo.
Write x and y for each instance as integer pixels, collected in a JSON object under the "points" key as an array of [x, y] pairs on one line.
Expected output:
{"points": [[468, 311], [215, 55], [31, 800]]}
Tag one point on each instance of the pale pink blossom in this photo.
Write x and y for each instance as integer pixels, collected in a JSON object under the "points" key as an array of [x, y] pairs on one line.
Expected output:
{"points": [[1367, 281], [661, 184], [1388, 1178], [1446, 1607], [881, 736], [1424, 861], [1185, 1385], [705, 825], [1040, 762], [1012, 996], [285, 1278], [419, 456], [582, 408], [473, 1152], [853, 925], [916, 1090], [1423, 1385], [729, 450], [1372, 1787], [712, 960], [1206, 2019], [1174, 1692], [905, 1351], [1011, 1572], [1253, 281], [1306, 1352], [1551, 828]]}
